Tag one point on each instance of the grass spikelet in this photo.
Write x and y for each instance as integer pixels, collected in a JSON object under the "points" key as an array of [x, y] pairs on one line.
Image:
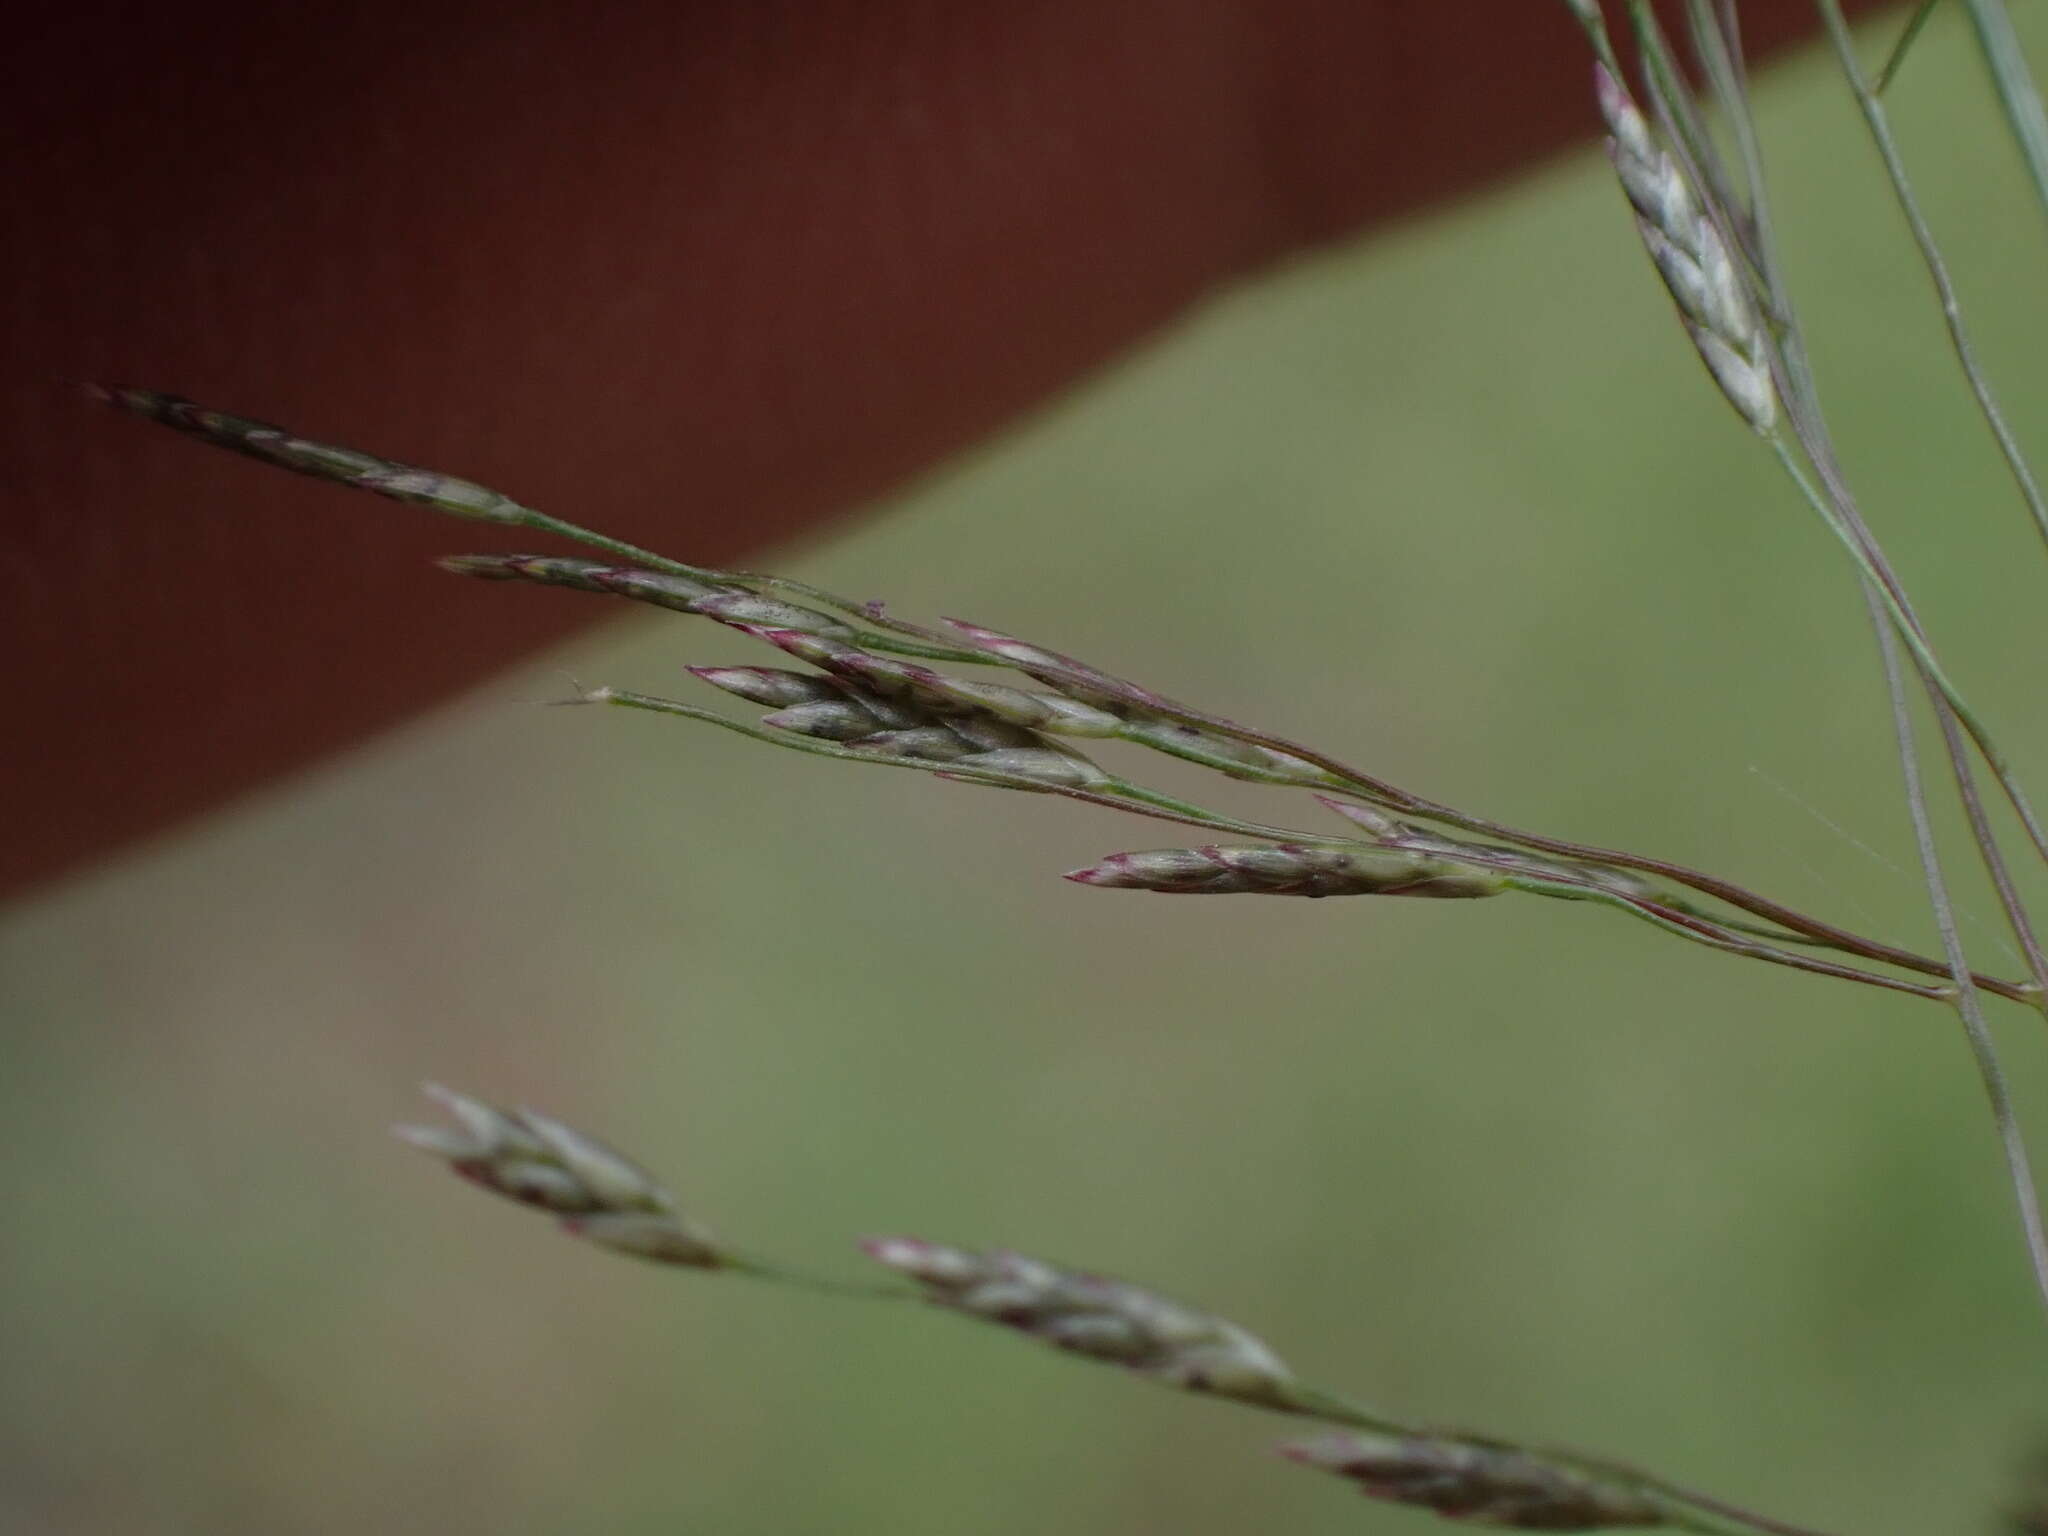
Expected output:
{"points": [[538, 1161], [1690, 255], [1003, 736], [1288, 869], [1106, 1320], [1481, 1484]]}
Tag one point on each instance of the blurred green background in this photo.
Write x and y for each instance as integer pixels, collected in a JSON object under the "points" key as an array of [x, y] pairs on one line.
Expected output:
{"points": [[1461, 507]]}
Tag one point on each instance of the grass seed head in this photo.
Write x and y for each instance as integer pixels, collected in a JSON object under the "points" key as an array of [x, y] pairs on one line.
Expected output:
{"points": [[1046, 765], [772, 686]]}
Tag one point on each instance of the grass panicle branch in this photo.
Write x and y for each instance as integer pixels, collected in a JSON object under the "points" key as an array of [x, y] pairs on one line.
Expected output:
{"points": [[1969, 1007], [878, 700], [601, 1196], [1898, 626], [1878, 123], [1909, 34]]}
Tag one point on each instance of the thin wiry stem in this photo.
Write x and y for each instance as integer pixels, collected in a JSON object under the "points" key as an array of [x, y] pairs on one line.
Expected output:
{"points": [[1832, 501], [1969, 1008], [779, 1273], [1717, 936], [1719, 45], [1842, 510], [1907, 36], [1955, 723], [1879, 123]]}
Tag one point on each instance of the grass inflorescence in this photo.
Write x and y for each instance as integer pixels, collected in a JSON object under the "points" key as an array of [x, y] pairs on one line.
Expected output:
{"points": [[966, 703], [602, 1197]]}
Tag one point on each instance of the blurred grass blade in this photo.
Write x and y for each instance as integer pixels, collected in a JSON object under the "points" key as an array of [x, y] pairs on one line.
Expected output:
{"points": [[2016, 88]]}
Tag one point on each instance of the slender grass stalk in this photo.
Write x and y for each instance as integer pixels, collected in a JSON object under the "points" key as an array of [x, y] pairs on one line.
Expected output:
{"points": [[1968, 1006], [1084, 701], [1908, 35]]}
